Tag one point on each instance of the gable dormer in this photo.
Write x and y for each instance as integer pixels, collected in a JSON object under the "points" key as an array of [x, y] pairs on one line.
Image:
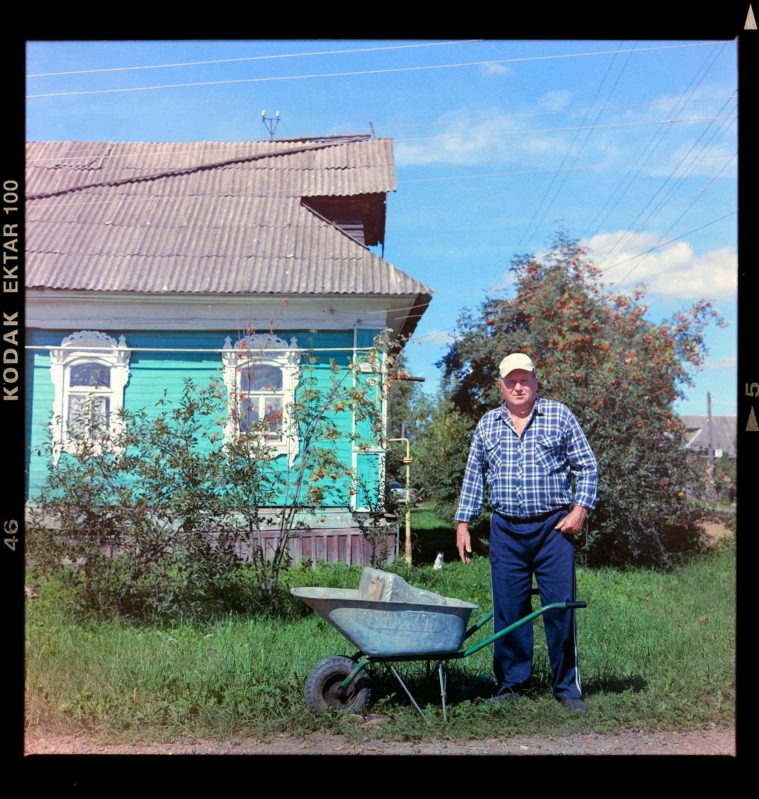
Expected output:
{"points": [[361, 216]]}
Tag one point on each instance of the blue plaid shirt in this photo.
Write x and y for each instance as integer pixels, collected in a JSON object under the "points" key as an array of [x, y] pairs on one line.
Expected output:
{"points": [[528, 475]]}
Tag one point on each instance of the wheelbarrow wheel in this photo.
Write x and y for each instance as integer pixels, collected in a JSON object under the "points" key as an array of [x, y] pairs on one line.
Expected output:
{"points": [[323, 690]]}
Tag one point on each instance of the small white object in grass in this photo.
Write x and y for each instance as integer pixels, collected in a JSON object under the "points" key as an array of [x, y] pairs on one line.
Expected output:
{"points": [[438, 564]]}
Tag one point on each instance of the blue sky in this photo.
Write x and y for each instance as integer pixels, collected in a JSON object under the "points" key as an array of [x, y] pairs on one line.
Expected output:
{"points": [[629, 145]]}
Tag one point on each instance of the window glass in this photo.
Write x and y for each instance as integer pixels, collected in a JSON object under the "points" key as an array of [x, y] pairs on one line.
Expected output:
{"points": [[96, 375], [273, 414], [87, 413], [248, 414], [260, 377]]}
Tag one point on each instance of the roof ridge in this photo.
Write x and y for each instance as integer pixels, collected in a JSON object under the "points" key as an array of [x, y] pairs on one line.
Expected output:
{"points": [[199, 167]]}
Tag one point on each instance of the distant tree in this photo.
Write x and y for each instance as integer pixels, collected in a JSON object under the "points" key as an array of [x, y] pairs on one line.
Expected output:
{"points": [[401, 393], [619, 372], [440, 452], [408, 407]]}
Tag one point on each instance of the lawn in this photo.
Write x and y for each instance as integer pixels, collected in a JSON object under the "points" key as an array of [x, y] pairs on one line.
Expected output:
{"points": [[656, 653]]}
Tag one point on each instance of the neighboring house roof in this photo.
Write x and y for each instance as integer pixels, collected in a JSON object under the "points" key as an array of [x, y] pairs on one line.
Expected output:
{"points": [[205, 217], [724, 433]]}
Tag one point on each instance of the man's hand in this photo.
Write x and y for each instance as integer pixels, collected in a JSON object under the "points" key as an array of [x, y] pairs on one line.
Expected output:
{"points": [[464, 542], [574, 521]]}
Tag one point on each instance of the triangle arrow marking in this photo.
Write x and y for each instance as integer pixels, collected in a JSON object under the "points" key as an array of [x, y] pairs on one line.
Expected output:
{"points": [[751, 425]]}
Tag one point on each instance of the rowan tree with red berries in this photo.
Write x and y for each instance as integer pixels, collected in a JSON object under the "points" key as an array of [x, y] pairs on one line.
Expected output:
{"points": [[619, 372]]}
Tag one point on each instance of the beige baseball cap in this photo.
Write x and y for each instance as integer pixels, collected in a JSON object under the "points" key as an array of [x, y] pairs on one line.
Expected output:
{"points": [[517, 360]]}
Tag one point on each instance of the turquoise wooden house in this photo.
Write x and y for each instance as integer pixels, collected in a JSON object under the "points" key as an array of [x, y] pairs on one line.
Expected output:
{"points": [[148, 263]]}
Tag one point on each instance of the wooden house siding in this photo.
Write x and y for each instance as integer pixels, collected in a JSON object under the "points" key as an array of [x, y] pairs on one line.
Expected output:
{"points": [[155, 374]]}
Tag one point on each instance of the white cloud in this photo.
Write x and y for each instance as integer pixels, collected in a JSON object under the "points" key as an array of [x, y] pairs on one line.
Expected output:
{"points": [[687, 160], [706, 100], [556, 100], [672, 271], [499, 136], [713, 140], [495, 69], [483, 137]]}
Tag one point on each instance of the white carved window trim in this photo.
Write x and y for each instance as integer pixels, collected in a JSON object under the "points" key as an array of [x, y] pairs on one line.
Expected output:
{"points": [[86, 347], [265, 350]]}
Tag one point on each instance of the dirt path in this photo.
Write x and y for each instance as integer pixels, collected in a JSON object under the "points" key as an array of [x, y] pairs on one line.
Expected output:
{"points": [[700, 742]]}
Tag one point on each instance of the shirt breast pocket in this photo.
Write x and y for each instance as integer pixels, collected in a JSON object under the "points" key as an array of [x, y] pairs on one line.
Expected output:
{"points": [[548, 452], [493, 447]]}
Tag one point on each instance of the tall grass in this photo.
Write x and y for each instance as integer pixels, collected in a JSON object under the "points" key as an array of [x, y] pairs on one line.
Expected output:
{"points": [[656, 652]]}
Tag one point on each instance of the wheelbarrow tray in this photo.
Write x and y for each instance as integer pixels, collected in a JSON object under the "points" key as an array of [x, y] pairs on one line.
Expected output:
{"points": [[384, 628]]}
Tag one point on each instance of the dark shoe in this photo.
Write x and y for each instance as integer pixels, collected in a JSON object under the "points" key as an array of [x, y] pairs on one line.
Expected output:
{"points": [[475, 689], [506, 696], [575, 704]]}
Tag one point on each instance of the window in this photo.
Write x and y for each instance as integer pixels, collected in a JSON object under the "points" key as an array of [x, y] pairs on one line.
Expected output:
{"points": [[261, 373], [89, 401], [89, 372]]}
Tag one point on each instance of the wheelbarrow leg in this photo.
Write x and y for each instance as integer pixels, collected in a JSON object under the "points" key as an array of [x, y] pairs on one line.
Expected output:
{"points": [[443, 672], [408, 693]]}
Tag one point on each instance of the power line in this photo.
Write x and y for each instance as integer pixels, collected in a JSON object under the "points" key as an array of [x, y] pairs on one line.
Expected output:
{"points": [[630, 236], [590, 129], [696, 198], [523, 131], [250, 58], [640, 255], [665, 243], [655, 212], [702, 192], [358, 72], [687, 171], [490, 175], [495, 117], [655, 141], [530, 232]]}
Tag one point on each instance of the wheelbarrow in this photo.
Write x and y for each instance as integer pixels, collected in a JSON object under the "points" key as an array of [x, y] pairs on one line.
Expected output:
{"points": [[390, 621]]}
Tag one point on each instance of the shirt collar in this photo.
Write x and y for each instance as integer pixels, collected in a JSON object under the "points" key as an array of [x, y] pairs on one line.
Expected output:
{"points": [[537, 410]]}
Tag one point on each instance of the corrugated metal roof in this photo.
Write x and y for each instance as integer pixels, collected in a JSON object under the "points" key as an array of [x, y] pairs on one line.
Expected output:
{"points": [[290, 168], [203, 217], [724, 433]]}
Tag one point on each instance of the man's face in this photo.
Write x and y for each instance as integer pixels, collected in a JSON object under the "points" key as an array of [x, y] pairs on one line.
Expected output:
{"points": [[519, 389]]}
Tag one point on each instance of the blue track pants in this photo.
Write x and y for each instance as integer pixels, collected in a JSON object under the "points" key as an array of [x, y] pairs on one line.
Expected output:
{"points": [[517, 550]]}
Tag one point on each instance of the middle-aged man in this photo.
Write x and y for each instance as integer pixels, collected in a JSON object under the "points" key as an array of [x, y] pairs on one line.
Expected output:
{"points": [[528, 453]]}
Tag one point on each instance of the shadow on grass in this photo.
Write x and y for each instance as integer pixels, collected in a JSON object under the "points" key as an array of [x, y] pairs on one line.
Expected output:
{"points": [[431, 535], [615, 685], [463, 685], [423, 682]]}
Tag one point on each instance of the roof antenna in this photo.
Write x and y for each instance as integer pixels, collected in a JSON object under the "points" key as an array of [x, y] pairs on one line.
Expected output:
{"points": [[374, 135], [270, 123]]}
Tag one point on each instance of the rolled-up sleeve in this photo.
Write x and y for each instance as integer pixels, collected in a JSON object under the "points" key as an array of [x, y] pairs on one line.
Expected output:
{"points": [[583, 465], [470, 501]]}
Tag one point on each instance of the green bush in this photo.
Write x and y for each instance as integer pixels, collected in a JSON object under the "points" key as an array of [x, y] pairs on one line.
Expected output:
{"points": [[160, 519]]}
